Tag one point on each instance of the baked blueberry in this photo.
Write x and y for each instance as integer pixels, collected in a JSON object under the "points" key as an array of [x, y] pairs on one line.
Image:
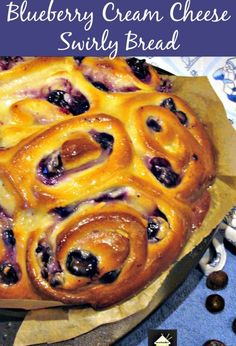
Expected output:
{"points": [[104, 139], [7, 62], [165, 86], [11, 58], [39, 248], [64, 212], [74, 104], [113, 195], [100, 86], [153, 228], [55, 281], [182, 117], [153, 124], [57, 97], [51, 166], [79, 59], [162, 170], [82, 263], [8, 237], [139, 68], [79, 105], [44, 273], [46, 254], [8, 274], [158, 213], [109, 277], [169, 104]]}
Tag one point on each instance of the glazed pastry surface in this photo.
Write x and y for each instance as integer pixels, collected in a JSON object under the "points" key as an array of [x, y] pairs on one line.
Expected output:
{"points": [[103, 177]]}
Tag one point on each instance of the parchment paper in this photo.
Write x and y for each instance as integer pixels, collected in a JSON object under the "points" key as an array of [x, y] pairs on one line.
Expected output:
{"points": [[52, 325]]}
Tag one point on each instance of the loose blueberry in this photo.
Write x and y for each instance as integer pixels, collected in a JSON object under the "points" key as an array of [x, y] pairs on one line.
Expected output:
{"points": [[162, 170], [214, 343], [109, 277], [217, 280], [8, 274], [169, 104], [234, 326], [51, 166], [82, 263], [153, 124], [182, 117], [195, 157], [104, 139], [79, 59], [139, 68], [153, 228], [64, 212], [8, 237], [100, 86], [215, 303]]}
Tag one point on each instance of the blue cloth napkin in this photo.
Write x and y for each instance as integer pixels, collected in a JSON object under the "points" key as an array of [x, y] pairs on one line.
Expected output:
{"points": [[185, 311]]}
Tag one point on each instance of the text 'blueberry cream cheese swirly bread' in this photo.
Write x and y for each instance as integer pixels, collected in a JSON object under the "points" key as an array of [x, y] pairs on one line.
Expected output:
{"points": [[102, 178]]}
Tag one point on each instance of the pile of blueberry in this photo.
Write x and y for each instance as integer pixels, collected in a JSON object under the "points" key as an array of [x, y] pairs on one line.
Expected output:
{"points": [[215, 303]]}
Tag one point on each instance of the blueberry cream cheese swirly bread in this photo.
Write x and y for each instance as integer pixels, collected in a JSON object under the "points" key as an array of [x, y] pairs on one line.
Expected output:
{"points": [[103, 177]]}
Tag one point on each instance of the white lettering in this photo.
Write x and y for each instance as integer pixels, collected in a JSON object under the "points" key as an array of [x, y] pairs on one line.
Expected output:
{"points": [[105, 9], [22, 13], [12, 10], [110, 13], [62, 37], [133, 41], [91, 43], [182, 12]]}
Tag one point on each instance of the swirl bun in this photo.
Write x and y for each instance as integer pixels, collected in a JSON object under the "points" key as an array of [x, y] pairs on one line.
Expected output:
{"points": [[102, 178]]}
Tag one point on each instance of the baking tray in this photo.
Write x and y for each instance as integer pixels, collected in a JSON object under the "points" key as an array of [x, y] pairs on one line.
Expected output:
{"points": [[105, 335]]}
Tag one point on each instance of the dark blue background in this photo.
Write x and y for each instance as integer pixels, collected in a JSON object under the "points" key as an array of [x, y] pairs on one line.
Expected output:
{"points": [[43, 38]]}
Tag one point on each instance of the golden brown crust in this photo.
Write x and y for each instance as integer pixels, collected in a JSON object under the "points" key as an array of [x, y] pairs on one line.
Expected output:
{"points": [[102, 179]]}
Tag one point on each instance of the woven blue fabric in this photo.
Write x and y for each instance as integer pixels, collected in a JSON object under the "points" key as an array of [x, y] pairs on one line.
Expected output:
{"points": [[185, 311]]}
